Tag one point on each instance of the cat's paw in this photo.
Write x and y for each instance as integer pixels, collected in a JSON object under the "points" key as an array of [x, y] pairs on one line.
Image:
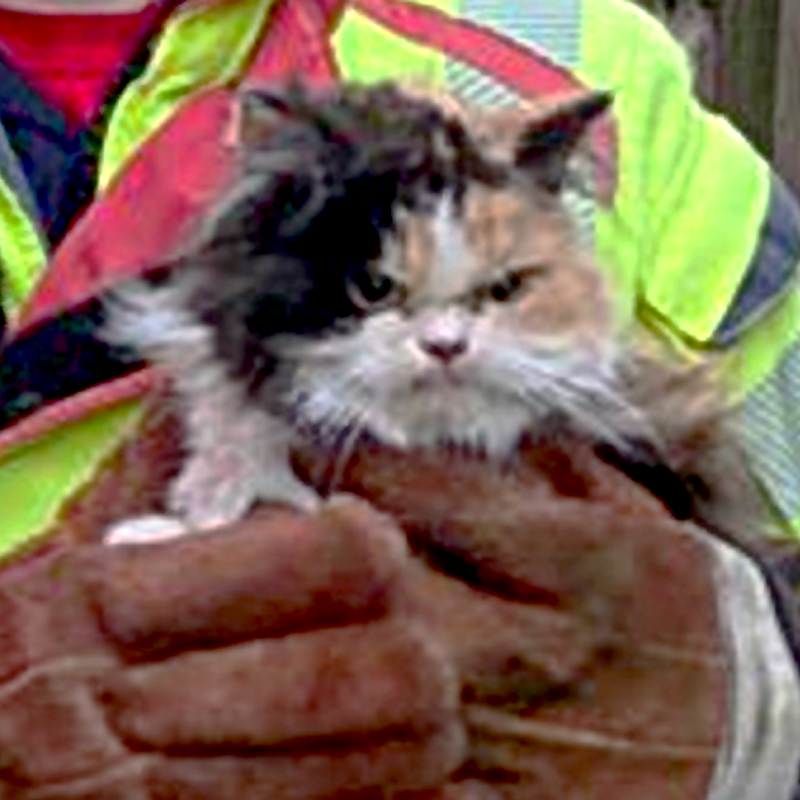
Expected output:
{"points": [[145, 530], [210, 493]]}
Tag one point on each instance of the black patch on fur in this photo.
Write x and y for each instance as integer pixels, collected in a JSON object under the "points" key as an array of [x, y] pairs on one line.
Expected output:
{"points": [[315, 201]]}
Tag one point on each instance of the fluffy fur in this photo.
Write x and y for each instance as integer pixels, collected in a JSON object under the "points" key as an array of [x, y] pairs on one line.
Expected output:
{"points": [[387, 266]]}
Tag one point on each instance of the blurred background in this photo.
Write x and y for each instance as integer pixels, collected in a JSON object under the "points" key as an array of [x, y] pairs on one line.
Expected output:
{"points": [[747, 60]]}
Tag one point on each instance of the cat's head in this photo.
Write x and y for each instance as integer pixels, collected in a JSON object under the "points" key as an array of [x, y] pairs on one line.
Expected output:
{"points": [[402, 265]]}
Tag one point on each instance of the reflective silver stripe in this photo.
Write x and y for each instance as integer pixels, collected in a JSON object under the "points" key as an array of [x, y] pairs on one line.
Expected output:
{"points": [[476, 87], [553, 27], [761, 757], [773, 268], [550, 25], [771, 430]]}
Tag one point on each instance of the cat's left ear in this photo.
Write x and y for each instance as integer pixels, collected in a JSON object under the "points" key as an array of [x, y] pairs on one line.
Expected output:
{"points": [[259, 113], [546, 143]]}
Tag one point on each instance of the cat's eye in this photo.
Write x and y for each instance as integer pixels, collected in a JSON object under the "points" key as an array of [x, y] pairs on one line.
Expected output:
{"points": [[507, 285], [368, 290]]}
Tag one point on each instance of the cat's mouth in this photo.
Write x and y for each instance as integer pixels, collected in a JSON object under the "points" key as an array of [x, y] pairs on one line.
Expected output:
{"points": [[439, 378]]}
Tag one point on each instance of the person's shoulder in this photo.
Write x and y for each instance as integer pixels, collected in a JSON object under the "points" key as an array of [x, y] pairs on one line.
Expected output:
{"points": [[631, 42], [625, 17]]}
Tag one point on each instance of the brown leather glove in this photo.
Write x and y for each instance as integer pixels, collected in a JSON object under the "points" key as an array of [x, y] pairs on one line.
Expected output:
{"points": [[581, 620], [264, 661], [553, 637]]}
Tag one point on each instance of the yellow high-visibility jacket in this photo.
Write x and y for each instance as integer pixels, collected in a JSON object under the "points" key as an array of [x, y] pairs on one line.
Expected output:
{"points": [[699, 237]]}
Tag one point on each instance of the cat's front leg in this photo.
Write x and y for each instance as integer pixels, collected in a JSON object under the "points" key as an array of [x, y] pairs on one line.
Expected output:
{"points": [[215, 489], [238, 456], [236, 459], [218, 487]]}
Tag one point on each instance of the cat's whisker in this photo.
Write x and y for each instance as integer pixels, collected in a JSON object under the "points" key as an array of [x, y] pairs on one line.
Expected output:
{"points": [[343, 453], [622, 418], [578, 388], [333, 403], [338, 421], [596, 410]]}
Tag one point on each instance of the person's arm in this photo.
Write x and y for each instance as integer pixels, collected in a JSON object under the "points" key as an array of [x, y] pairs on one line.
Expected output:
{"points": [[719, 235], [717, 238]]}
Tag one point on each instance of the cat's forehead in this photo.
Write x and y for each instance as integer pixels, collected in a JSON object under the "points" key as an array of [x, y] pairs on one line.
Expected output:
{"points": [[443, 251]]}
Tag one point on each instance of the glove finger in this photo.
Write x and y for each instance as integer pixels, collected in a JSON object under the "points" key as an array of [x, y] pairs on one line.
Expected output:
{"points": [[51, 728], [412, 768], [554, 762], [591, 542], [271, 575], [337, 687], [461, 790], [373, 770], [506, 653], [45, 614], [470, 790], [513, 532]]}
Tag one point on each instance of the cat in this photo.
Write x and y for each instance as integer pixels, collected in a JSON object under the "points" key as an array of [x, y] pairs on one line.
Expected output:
{"points": [[389, 264]]}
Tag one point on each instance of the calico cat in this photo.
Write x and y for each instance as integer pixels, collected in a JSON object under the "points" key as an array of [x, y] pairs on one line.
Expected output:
{"points": [[388, 265]]}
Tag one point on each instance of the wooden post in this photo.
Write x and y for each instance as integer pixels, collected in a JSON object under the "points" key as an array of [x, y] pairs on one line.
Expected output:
{"points": [[695, 25], [787, 106], [656, 6], [749, 69]]}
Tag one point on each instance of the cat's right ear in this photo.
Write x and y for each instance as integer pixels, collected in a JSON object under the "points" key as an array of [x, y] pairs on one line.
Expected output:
{"points": [[547, 141]]}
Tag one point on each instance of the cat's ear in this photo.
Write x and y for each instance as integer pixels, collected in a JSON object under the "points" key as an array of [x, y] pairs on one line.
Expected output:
{"points": [[260, 112], [546, 143]]}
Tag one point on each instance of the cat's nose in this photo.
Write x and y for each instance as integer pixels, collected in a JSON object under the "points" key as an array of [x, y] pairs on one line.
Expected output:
{"points": [[445, 350], [443, 335]]}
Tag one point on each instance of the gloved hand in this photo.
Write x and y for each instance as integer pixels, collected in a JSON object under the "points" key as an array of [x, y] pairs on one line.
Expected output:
{"points": [[267, 660], [553, 636], [580, 618]]}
